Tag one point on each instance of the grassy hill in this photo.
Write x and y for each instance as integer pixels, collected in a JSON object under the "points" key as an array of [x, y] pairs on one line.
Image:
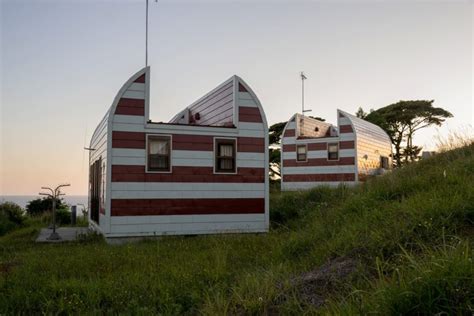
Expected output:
{"points": [[401, 243]]}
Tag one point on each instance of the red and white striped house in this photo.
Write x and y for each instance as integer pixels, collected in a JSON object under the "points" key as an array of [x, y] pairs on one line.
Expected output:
{"points": [[203, 172], [317, 153]]}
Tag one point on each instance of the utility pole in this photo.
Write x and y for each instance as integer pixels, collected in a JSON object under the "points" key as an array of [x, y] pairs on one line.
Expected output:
{"points": [[54, 195]]}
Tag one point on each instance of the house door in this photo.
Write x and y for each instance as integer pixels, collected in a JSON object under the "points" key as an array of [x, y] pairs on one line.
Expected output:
{"points": [[95, 188]]}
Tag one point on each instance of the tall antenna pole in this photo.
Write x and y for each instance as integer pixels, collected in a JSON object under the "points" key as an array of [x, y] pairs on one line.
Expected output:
{"points": [[303, 78], [146, 35]]}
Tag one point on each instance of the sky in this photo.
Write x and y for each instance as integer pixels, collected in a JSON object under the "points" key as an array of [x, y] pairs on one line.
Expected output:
{"points": [[62, 63]]}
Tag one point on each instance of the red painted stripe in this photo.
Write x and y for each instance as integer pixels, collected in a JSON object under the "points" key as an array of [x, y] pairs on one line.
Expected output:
{"points": [[135, 103], [141, 79], [128, 106], [251, 144], [248, 110], [128, 140], [249, 114], [348, 144], [289, 133], [345, 129], [320, 146], [319, 177], [343, 161], [123, 110], [124, 173], [186, 142], [137, 207], [289, 148]]}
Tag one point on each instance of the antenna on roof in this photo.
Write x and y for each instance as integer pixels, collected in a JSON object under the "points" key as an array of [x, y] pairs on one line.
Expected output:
{"points": [[303, 78], [146, 33]]}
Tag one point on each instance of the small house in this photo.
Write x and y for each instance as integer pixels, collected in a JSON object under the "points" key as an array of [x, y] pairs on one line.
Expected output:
{"points": [[316, 153], [203, 172]]}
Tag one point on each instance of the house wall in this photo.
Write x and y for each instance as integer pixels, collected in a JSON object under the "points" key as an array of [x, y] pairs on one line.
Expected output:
{"points": [[191, 199], [372, 143], [317, 170], [98, 144], [360, 146]]}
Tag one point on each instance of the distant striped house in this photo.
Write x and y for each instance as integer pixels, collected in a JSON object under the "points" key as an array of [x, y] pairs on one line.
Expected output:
{"points": [[318, 153], [203, 172]]}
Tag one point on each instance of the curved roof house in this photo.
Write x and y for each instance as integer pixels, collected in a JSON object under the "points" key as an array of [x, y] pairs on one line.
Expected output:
{"points": [[318, 153], [205, 171]]}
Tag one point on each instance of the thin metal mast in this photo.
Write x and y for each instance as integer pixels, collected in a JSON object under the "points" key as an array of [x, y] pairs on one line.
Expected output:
{"points": [[303, 77]]}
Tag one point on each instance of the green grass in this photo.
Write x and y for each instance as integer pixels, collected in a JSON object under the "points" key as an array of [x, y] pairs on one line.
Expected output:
{"points": [[410, 232]]}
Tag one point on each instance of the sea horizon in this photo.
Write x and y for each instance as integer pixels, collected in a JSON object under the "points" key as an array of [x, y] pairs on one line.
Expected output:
{"points": [[22, 200]]}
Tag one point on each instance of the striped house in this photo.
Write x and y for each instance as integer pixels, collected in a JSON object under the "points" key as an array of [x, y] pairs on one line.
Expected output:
{"points": [[203, 172], [317, 153]]}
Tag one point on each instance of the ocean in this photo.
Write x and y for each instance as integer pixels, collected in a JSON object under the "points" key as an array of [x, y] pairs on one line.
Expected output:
{"points": [[22, 200]]}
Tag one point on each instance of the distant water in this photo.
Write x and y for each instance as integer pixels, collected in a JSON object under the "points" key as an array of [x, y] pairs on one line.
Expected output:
{"points": [[22, 200]]}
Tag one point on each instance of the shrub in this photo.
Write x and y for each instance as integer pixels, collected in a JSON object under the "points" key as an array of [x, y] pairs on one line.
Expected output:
{"points": [[11, 216], [39, 206], [63, 217]]}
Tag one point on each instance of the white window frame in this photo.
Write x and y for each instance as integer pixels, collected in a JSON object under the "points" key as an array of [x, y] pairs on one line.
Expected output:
{"points": [[306, 152], [214, 159], [171, 153], [338, 151]]}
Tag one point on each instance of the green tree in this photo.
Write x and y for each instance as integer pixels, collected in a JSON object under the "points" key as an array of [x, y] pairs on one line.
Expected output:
{"points": [[361, 113], [402, 119], [39, 206], [275, 133]]}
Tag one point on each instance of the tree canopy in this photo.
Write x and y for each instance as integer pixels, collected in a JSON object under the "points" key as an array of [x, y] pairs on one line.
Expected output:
{"points": [[402, 119], [39, 206]]}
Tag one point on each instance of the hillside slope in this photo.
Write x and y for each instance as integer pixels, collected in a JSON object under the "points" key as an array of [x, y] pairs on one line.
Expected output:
{"points": [[401, 243]]}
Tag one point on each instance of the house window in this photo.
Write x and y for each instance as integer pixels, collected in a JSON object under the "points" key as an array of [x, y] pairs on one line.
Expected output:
{"points": [[333, 151], [301, 151], [384, 162], [225, 155], [159, 152]]}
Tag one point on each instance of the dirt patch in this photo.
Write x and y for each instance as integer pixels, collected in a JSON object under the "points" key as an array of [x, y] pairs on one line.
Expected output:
{"points": [[315, 286], [7, 267]]}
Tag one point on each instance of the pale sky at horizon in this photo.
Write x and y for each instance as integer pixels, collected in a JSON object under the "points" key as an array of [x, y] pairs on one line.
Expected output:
{"points": [[62, 62]]}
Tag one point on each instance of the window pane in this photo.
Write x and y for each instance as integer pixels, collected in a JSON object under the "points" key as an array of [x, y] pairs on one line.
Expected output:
{"points": [[226, 164], [158, 147], [226, 150], [301, 149], [225, 155], [332, 148], [158, 162]]}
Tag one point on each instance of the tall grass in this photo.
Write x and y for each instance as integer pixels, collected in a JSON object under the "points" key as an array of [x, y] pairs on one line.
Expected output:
{"points": [[395, 227]]}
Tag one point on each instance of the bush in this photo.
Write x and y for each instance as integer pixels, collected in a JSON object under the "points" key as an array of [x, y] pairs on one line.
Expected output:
{"points": [[11, 216], [63, 217], [39, 206]]}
